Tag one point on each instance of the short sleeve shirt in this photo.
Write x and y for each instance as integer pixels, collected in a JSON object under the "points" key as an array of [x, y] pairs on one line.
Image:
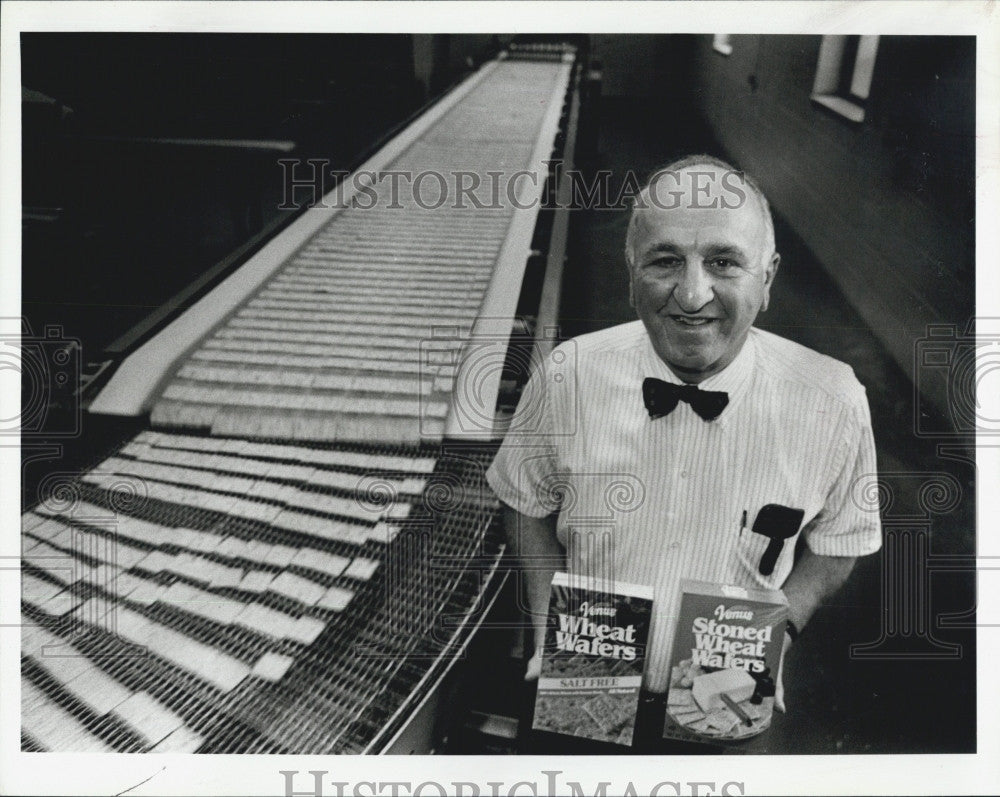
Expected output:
{"points": [[656, 501]]}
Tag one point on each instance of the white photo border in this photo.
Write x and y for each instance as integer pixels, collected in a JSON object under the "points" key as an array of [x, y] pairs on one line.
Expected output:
{"points": [[50, 773]]}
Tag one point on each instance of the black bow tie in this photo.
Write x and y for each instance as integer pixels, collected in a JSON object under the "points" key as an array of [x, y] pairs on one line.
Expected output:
{"points": [[661, 399]]}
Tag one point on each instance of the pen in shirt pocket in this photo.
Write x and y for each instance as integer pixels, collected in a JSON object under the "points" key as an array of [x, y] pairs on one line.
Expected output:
{"points": [[743, 522]]}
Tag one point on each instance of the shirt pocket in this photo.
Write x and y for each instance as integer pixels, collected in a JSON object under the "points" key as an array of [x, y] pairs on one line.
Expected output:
{"points": [[749, 549], [751, 552]]}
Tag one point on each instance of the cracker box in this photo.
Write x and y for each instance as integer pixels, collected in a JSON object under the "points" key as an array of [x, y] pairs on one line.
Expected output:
{"points": [[724, 662], [592, 663]]}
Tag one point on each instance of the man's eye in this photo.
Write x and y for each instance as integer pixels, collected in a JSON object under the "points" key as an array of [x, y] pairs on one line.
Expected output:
{"points": [[723, 263]]}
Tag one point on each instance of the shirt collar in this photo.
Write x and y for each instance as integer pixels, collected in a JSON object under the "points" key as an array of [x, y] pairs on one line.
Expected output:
{"points": [[734, 379]]}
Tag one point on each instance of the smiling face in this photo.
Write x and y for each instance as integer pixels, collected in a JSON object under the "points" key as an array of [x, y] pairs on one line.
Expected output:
{"points": [[700, 270]]}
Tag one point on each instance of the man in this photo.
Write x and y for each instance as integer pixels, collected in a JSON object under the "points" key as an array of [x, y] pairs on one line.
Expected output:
{"points": [[746, 419]]}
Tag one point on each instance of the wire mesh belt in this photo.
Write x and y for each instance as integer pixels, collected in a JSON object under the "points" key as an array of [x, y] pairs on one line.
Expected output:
{"points": [[257, 598], [283, 560]]}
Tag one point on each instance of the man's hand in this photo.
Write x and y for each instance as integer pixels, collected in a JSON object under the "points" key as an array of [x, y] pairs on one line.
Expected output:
{"points": [[534, 666], [813, 579], [534, 543], [779, 685]]}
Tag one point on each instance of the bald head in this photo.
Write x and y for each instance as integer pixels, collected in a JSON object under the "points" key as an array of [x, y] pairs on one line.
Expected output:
{"points": [[700, 183], [701, 263]]}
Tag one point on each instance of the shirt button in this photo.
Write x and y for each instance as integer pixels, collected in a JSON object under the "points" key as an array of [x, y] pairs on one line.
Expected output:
{"points": [[684, 474]]}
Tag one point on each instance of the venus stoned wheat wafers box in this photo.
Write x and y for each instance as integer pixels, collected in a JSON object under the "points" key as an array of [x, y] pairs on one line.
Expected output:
{"points": [[595, 648], [724, 662]]}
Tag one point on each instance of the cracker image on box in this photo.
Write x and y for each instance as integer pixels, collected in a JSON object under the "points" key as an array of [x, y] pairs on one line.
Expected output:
{"points": [[724, 660], [592, 663]]}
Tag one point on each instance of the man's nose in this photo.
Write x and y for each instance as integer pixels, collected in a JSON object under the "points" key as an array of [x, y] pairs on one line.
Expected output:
{"points": [[694, 289]]}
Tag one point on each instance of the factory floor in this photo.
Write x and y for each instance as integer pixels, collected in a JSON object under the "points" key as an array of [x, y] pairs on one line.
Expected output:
{"points": [[915, 692]]}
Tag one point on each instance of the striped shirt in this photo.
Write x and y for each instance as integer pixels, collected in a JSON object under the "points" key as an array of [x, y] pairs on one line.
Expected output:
{"points": [[654, 501]]}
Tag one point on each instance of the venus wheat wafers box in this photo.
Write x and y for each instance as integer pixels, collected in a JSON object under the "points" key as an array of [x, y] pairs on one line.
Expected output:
{"points": [[724, 662], [595, 649]]}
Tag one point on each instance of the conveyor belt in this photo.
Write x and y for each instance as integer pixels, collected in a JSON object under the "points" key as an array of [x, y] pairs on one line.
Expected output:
{"points": [[280, 591], [285, 560], [363, 327]]}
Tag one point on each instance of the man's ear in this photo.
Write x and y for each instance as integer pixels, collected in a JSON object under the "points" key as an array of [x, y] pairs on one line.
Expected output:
{"points": [[770, 270]]}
